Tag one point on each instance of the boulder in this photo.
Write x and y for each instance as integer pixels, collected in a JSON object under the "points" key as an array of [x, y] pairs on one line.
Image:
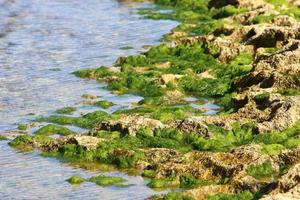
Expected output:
{"points": [[130, 124]]}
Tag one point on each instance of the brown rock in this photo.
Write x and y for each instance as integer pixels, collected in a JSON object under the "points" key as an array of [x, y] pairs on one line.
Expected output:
{"points": [[130, 124]]}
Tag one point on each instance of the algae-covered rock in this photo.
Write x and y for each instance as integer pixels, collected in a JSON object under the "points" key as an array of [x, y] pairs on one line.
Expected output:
{"points": [[76, 180], [130, 124]]}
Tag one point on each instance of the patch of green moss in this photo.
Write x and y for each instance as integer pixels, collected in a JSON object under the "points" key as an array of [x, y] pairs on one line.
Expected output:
{"points": [[52, 129], [66, 110], [263, 19], [148, 173], [164, 183], [22, 127], [261, 171], [104, 104], [86, 121], [289, 92], [105, 181], [126, 48], [21, 140], [261, 98], [27, 142], [272, 149], [227, 11], [76, 180], [189, 181], [2, 137], [224, 140], [173, 196], [278, 3], [107, 134], [246, 195]]}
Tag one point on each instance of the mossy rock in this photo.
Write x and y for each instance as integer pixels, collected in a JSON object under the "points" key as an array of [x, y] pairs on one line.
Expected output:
{"points": [[105, 181], [104, 104], [66, 110], [22, 127], [261, 171], [52, 129], [164, 183], [75, 180]]}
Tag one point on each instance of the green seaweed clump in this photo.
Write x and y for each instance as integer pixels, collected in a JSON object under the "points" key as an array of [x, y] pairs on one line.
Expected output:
{"points": [[22, 127], [246, 195], [104, 104], [164, 183], [2, 137], [261, 171], [86, 121], [105, 181], [52, 129], [189, 181], [27, 142], [172, 196], [75, 180], [66, 110]]}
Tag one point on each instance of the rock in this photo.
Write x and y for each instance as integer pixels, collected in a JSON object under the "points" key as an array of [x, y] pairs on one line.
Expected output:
{"points": [[288, 186], [206, 74], [251, 5], [290, 157], [162, 155], [130, 124], [293, 194], [282, 115], [206, 191], [284, 20], [291, 179], [87, 142], [164, 65], [270, 35], [169, 78], [174, 95], [194, 124], [245, 182]]}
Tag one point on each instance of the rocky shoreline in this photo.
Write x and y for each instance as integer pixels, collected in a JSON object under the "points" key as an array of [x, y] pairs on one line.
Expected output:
{"points": [[243, 55]]}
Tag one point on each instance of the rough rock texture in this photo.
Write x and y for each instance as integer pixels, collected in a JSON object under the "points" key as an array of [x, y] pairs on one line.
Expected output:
{"points": [[130, 124], [288, 186], [203, 192], [251, 5], [87, 142]]}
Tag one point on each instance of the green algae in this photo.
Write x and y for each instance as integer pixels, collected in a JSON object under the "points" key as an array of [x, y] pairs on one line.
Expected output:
{"points": [[189, 181], [2, 137], [272, 149], [261, 171], [173, 196], [164, 183], [105, 181], [148, 173], [66, 110], [246, 195], [126, 48], [104, 104], [86, 121], [28, 142], [22, 127], [261, 98], [52, 129], [75, 180]]}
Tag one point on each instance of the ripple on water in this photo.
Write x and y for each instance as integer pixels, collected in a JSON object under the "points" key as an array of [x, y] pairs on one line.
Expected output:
{"points": [[41, 43]]}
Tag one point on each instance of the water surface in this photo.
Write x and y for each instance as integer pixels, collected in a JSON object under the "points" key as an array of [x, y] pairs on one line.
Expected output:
{"points": [[41, 43]]}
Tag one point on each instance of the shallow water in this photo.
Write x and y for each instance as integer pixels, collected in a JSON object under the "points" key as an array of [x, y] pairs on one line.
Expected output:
{"points": [[30, 176], [41, 43]]}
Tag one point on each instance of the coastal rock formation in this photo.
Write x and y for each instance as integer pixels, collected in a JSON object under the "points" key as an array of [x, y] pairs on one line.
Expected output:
{"points": [[130, 124]]}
